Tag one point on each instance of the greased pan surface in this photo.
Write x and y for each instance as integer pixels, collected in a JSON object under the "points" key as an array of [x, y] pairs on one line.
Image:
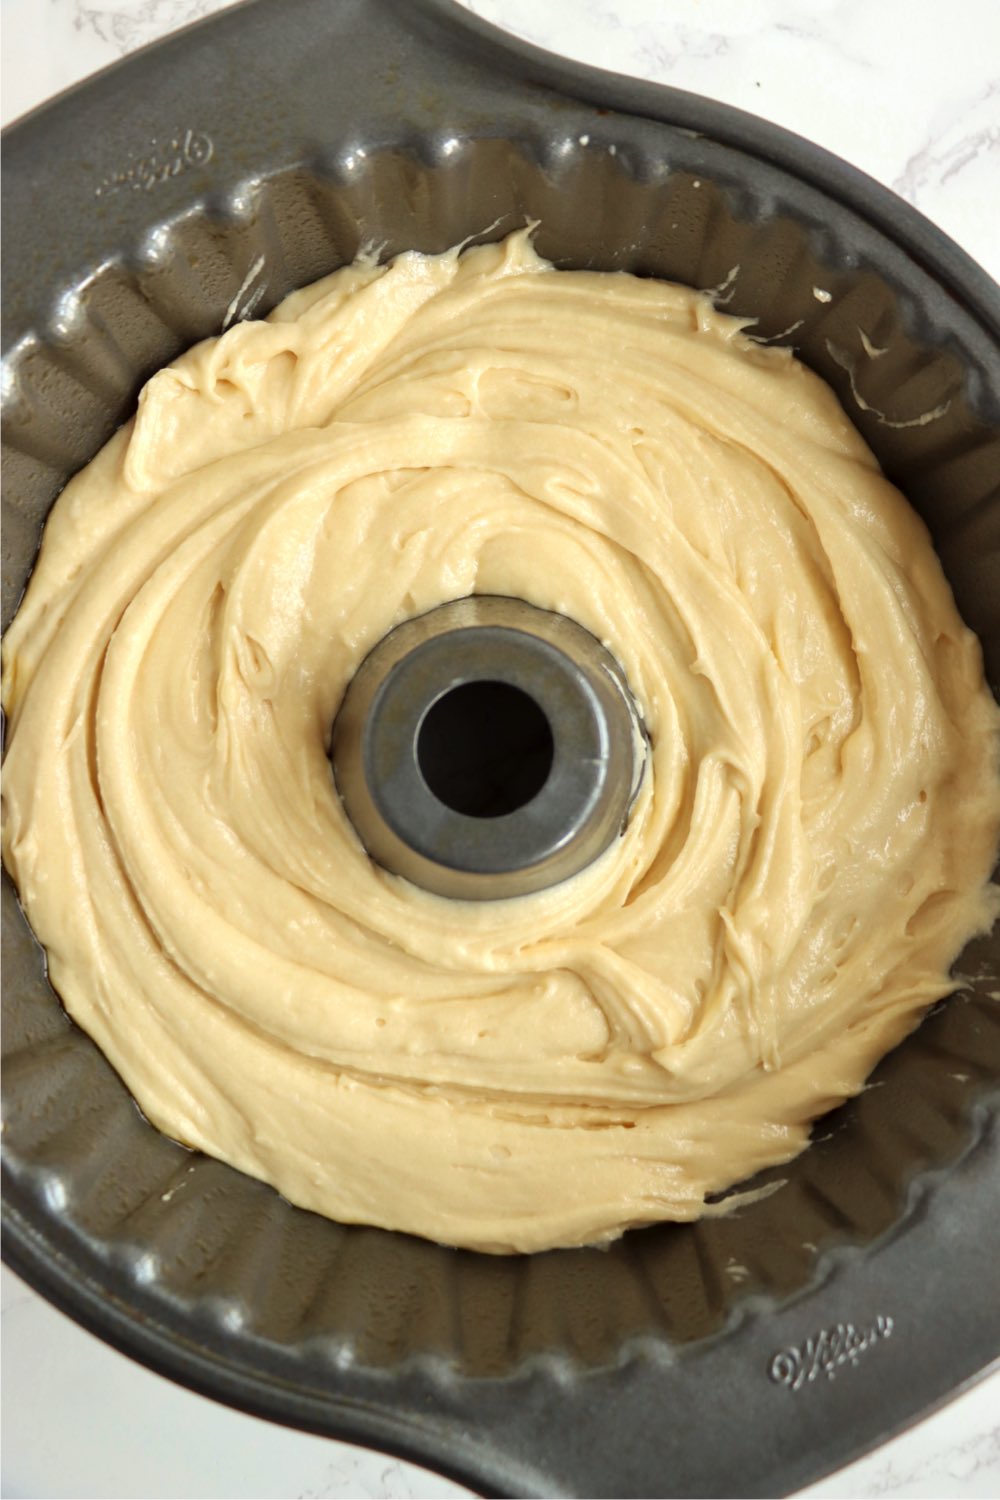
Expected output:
{"points": [[216, 171]]}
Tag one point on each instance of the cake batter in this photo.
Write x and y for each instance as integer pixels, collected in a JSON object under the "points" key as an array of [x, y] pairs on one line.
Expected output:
{"points": [[808, 852]]}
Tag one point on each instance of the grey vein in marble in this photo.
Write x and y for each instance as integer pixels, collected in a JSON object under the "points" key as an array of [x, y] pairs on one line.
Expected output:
{"points": [[126, 27]]}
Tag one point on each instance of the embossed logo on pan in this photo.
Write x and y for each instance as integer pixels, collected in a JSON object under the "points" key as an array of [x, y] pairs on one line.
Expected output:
{"points": [[186, 149], [826, 1353]]}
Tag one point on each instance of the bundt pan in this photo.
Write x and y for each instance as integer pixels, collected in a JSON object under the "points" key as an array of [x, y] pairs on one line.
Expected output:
{"points": [[198, 183]]}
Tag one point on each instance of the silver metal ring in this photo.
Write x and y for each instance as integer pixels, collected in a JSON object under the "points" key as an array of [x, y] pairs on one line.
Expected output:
{"points": [[488, 749]]}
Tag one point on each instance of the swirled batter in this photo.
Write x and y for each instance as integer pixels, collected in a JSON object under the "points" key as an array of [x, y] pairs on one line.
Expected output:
{"points": [[809, 851]]}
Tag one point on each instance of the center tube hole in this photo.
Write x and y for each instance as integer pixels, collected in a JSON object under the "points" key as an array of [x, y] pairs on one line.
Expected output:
{"points": [[485, 749]]}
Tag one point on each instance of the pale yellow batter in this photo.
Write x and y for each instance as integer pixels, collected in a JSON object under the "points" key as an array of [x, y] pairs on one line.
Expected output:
{"points": [[807, 855]]}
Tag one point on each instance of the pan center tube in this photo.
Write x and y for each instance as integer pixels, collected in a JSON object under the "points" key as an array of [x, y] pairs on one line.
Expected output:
{"points": [[488, 749]]}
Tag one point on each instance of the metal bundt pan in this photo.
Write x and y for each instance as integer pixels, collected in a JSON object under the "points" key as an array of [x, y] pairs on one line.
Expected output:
{"points": [[204, 179]]}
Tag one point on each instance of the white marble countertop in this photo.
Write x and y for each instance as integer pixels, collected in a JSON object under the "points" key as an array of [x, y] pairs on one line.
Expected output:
{"points": [[909, 92]]}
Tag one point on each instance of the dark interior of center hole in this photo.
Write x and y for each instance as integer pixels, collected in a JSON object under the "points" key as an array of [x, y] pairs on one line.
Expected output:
{"points": [[485, 749]]}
